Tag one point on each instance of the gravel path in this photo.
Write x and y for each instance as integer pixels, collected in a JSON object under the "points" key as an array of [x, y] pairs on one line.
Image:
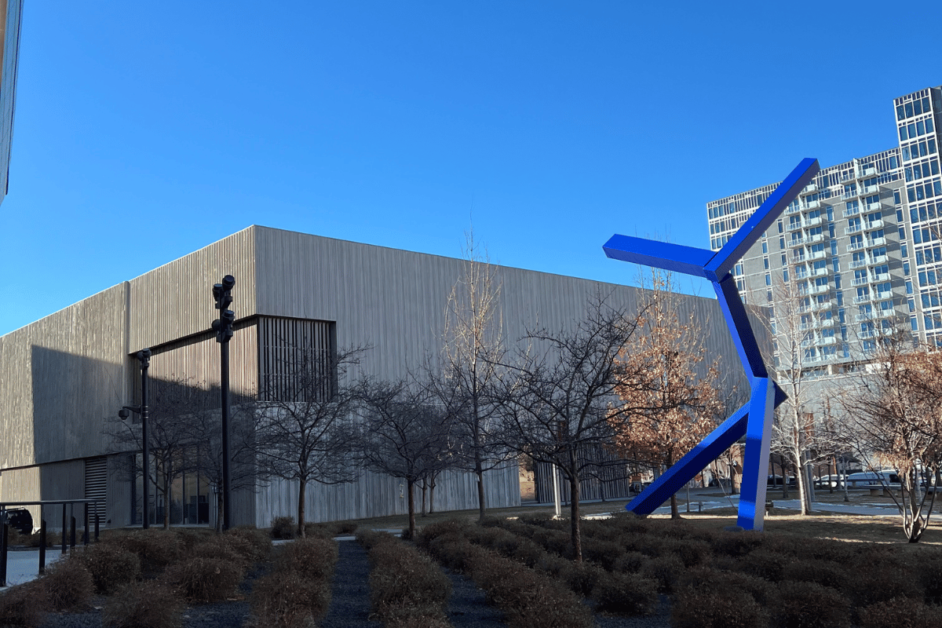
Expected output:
{"points": [[467, 607], [350, 599]]}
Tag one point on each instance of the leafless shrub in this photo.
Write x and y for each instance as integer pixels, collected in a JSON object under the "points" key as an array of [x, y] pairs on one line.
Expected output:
{"points": [[664, 570], [22, 606], [68, 584], [205, 579], [626, 594], [808, 605], [720, 607], [111, 566], [148, 604], [901, 612]]}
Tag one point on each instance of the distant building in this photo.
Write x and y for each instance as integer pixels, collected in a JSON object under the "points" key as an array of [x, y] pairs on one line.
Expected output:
{"points": [[63, 378], [11, 12], [861, 244]]}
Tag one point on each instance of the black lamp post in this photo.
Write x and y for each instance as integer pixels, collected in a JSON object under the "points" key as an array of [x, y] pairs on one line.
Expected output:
{"points": [[143, 357], [223, 328]]}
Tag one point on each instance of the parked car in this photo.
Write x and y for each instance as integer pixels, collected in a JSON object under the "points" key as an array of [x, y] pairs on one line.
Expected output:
{"points": [[21, 520], [865, 478], [833, 481]]}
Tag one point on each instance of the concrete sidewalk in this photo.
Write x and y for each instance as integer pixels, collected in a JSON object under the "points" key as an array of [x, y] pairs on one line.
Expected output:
{"points": [[23, 565]]}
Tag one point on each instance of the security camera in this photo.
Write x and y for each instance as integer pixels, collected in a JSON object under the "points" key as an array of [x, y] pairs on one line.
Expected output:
{"points": [[228, 282], [123, 414]]}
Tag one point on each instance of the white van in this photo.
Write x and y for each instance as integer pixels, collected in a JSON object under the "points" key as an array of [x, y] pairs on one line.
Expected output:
{"points": [[868, 478]]}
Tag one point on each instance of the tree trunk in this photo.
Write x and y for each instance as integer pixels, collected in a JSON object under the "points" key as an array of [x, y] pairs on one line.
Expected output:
{"points": [[799, 475], [166, 502], [479, 471], [431, 494], [410, 484], [574, 518], [784, 468], [302, 494], [219, 511], [424, 488]]}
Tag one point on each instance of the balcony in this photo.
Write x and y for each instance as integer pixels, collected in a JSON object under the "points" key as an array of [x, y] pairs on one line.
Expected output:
{"points": [[817, 272], [810, 188], [796, 242], [818, 307], [878, 259], [868, 171], [863, 281], [851, 211], [855, 246], [881, 241], [812, 205], [880, 277], [864, 316], [793, 225], [853, 229], [819, 289], [864, 298], [850, 194], [869, 189], [874, 206], [812, 222], [867, 333], [818, 237], [793, 209], [822, 254], [874, 224], [882, 296], [857, 263], [825, 340], [887, 313]]}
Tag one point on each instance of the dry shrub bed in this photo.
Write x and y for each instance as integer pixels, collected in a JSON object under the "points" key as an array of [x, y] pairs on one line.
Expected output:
{"points": [[529, 599], [297, 591], [147, 576], [407, 589], [716, 578]]}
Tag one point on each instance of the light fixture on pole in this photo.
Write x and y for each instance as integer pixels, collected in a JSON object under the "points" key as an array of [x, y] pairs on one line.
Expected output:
{"points": [[223, 328], [143, 357]]}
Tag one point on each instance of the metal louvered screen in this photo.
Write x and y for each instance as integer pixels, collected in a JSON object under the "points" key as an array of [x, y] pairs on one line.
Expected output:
{"points": [[96, 483], [296, 359]]}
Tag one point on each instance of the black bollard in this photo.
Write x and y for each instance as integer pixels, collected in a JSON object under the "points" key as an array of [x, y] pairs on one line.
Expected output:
{"points": [[4, 538], [85, 534], [72, 533], [42, 546], [65, 530], [96, 526]]}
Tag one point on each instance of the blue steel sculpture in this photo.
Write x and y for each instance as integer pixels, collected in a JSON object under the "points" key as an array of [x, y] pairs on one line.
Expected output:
{"points": [[755, 418]]}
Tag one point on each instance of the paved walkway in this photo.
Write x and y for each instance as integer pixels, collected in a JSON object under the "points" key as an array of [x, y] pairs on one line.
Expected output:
{"points": [[23, 565]]}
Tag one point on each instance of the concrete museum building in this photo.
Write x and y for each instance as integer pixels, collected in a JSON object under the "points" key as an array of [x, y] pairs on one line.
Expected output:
{"points": [[63, 378]]}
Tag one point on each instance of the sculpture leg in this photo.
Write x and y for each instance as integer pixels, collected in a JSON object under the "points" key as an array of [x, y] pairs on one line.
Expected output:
{"points": [[693, 463], [756, 460]]}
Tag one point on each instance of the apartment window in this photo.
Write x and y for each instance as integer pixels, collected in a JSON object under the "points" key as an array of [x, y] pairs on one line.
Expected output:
{"points": [[765, 248]]}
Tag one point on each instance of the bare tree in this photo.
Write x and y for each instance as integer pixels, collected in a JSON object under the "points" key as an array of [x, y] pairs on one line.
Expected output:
{"points": [[404, 433], [560, 397], [672, 401], [204, 431], [803, 333], [303, 421], [174, 402], [896, 409], [472, 353]]}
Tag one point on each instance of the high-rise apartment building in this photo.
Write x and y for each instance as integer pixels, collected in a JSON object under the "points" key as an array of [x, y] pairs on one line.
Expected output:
{"points": [[859, 251]]}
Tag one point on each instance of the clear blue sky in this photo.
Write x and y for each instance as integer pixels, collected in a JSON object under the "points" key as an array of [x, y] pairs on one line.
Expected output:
{"points": [[146, 130]]}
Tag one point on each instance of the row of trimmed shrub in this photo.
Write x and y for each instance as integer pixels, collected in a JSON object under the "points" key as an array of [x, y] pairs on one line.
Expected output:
{"points": [[527, 598], [148, 575], [836, 583], [407, 589], [622, 593], [297, 591]]}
